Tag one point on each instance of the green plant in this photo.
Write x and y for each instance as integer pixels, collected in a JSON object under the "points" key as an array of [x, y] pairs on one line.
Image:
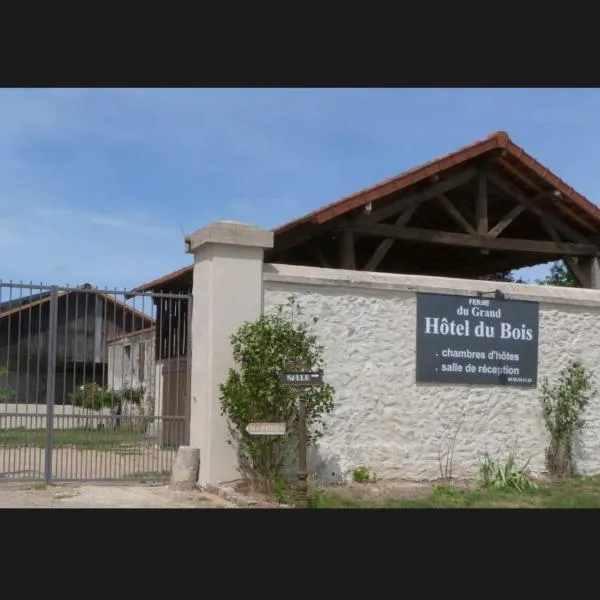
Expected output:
{"points": [[562, 407], [284, 492], [363, 474], [5, 392], [95, 397], [505, 476], [446, 455], [263, 349]]}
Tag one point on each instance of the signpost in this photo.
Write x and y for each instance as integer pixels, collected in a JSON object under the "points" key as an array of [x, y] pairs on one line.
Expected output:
{"points": [[304, 380], [266, 428]]}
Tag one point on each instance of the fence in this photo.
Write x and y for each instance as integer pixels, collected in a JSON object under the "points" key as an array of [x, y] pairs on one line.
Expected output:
{"points": [[93, 383]]}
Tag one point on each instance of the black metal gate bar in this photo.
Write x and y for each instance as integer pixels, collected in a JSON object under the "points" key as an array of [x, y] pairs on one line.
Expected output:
{"points": [[51, 426]]}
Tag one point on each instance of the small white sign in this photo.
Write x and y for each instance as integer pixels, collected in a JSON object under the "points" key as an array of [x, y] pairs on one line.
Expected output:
{"points": [[266, 428]]}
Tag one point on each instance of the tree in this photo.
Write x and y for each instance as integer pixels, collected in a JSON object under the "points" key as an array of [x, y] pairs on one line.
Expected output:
{"points": [[560, 275], [506, 276], [262, 350]]}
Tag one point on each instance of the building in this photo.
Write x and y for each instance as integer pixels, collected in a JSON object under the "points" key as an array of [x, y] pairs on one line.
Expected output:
{"points": [[86, 318], [486, 208]]}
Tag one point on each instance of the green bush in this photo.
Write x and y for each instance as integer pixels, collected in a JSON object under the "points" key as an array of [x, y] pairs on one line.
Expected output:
{"points": [[5, 392], [262, 350], [562, 407], [95, 397]]}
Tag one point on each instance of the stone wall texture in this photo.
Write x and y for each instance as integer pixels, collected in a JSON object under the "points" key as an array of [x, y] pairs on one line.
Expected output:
{"points": [[384, 420]]}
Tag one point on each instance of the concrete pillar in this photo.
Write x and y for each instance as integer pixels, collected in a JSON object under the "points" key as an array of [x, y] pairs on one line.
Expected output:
{"points": [[227, 291]]}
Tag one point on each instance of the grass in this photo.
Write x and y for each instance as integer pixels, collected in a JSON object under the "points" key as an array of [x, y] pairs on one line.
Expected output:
{"points": [[85, 439], [570, 492]]}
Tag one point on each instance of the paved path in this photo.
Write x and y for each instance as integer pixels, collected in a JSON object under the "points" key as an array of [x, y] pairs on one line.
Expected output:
{"points": [[105, 496]]}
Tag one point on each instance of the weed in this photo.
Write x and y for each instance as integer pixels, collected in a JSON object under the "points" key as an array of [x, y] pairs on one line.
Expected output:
{"points": [[505, 476], [363, 474]]}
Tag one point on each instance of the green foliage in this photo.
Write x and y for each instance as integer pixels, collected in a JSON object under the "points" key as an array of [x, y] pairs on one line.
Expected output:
{"points": [[276, 342], [562, 407], [284, 493], [363, 474], [95, 397], [506, 276], [560, 275], [5, 392], [505, 476]]}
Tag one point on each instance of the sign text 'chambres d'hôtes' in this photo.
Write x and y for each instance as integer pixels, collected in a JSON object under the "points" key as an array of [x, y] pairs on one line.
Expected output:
{"points": [[463, 339]]}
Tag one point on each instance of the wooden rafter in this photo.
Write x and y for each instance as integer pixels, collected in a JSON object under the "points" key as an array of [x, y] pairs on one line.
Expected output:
{"points": [[469, 241], [526, 180], [318, 254], [512, 190], [571, 263], [481, 204], [385, 245], [506, 220], [346, 249], [429, 193], [456, 214]]}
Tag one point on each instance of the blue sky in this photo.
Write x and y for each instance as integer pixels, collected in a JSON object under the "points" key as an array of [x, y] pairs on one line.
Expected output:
{"points": [[100, 186]]}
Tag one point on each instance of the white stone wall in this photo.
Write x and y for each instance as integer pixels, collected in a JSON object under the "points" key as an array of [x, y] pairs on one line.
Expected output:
{"points": [[384, 420]]}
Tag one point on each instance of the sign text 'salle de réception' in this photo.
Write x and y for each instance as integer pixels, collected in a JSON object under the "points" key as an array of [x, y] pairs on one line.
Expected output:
{"points": [[462, 339]]}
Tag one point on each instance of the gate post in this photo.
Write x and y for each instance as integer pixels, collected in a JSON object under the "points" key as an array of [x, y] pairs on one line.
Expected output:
{"points": [[227, 291], [51, 381]]}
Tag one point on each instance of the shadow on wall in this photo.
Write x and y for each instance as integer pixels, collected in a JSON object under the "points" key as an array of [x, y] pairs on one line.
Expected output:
{"points": [[328, 470]]}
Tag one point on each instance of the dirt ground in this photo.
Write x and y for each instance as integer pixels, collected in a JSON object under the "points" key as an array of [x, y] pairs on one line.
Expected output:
{"points": [[105, 496], [379, 491], [394, 490], [73, 463]]}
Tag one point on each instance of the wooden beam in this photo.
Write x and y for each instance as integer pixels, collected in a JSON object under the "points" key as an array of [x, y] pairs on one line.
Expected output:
{"points": [[570, 262], [519, 175], [318, 254], [444, 238], [487, 267], [591, 270], [417, 198], [455, 214], [481, 203], [586, 224], [385, 245], [577, 272], [506, 220], [512, 190], [346, 248]]}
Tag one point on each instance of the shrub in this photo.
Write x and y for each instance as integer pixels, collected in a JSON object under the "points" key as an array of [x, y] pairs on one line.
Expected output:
{"points": [[95, 397], [262, 350], [5, 392], [562, 407]]}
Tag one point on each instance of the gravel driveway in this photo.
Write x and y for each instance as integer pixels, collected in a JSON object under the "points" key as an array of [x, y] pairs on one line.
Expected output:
{"points": [[105, 496]]}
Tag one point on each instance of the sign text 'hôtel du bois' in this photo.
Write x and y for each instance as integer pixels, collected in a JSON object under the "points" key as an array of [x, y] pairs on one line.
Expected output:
{"points": [[477, 340]]}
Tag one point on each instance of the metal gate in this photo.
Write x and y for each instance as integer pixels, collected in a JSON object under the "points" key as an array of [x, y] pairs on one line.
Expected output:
{"points": [[94, 384]]}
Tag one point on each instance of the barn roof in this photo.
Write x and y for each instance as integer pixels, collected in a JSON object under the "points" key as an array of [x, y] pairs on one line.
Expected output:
{"points": [[16, 305], [308, 239]]}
